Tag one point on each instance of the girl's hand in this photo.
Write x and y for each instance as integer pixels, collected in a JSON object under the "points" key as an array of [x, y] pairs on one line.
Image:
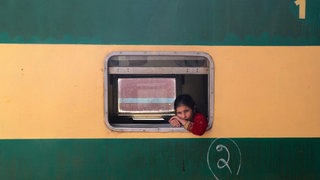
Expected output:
{"points": [[174, 122], [181, 121]]}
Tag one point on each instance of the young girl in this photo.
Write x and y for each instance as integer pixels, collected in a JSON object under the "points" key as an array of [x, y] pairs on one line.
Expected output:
{"points": [[187, 116]]}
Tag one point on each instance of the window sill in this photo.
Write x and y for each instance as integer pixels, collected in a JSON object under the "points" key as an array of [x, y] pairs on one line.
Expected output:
{"points": [[145, 127]]}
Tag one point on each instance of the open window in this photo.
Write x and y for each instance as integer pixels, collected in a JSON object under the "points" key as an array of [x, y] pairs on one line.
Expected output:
{"points": [[140, 88]]}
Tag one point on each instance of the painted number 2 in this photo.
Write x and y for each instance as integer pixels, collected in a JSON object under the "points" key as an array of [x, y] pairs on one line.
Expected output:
{"points": [[302, 8]]}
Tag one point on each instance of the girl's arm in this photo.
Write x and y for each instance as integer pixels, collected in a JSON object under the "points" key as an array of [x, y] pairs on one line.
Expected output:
{"points": [[198, 126]]}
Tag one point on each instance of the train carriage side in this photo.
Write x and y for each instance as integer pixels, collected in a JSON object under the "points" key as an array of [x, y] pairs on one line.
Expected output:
{"points": [[252, 67]]}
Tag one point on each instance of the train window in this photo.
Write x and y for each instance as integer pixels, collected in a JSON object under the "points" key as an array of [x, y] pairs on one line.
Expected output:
{"points": [[140, 88]]}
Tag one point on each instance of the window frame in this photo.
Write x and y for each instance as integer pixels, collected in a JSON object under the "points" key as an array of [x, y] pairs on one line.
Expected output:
{"points": [[110, 71]]}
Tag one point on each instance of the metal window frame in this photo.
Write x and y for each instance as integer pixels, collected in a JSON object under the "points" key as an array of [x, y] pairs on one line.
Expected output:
{"points": [[158, 70]]}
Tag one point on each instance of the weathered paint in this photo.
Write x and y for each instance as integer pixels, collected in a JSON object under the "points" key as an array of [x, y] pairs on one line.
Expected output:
{"points": [[51, 96], [56, 91], [187, 22], [293, 158]]}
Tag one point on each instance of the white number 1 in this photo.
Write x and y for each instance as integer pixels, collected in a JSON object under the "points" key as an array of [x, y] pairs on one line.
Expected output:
{"points": [[302, 8]]}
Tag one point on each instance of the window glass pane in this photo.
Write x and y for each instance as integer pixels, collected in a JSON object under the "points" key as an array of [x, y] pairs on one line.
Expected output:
{"points": [[146, 95]]}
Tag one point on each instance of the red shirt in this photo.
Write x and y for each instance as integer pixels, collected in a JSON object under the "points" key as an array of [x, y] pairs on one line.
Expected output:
{"points": [[199, 124]]}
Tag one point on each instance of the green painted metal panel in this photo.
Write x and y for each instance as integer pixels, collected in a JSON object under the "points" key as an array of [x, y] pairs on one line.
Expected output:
{"points": [[238, 158], [187, 22]]}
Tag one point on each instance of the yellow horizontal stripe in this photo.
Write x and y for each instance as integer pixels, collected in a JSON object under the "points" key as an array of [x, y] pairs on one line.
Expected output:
{"points": [[56, 91]]}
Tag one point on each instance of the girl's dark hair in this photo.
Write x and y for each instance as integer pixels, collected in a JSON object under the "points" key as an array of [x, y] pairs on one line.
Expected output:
{"points": [[184, 99]]}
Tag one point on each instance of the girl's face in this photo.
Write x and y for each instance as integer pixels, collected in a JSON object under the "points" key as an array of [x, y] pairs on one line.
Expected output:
{"points": [[184, 112]]}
